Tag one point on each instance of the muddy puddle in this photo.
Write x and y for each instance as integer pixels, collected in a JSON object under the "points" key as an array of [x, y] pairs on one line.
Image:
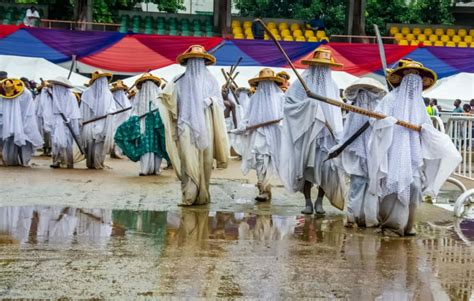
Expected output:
{"points": [[64, 252]]}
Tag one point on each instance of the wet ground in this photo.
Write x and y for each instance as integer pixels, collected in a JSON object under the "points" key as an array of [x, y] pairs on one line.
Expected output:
{"points": [[85, 234]]}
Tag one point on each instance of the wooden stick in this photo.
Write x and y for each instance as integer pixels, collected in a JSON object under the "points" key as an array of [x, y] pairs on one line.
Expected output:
{"points": [[259, 125], [105, 116], [329, 101]]}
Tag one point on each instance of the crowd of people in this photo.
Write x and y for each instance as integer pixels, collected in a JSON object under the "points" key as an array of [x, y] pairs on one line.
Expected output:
{"points": [[274, 127]]}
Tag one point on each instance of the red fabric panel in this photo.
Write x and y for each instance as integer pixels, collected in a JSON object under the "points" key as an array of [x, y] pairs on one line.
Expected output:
{"points": [[172, 46], [360, 59], [6, 30], [127, 55]]}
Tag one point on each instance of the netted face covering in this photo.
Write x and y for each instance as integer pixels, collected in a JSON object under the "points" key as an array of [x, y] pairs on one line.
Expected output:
{"points": [[65, 101], [194, 87], [404, 156], [366, 100], [265, 104], [146, 98], [121, 98], [98, 97]]}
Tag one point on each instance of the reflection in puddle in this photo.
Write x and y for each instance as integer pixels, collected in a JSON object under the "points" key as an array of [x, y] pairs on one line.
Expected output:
{"points": [[199, 253]]}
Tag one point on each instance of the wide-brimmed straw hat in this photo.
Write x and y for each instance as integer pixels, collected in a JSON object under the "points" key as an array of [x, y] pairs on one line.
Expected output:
{"points": [[11, 88], [43, 84], [196, 51], [322, 56], [284, 75], [145, 77], [366, 83], [78, 96], [98, 74], [61, 81], [266, 74], [132, 93], [409, 66], [118, 85]]}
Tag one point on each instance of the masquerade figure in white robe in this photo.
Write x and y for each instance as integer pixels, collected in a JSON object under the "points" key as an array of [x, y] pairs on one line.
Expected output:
{"points": [[60, 100], [43, 97], [119, 91], [20, 134], [362, 207], [405, 163], [310, 129], [97, 136], [261, 147], [240, 108], [142, 136], [193, 115]]}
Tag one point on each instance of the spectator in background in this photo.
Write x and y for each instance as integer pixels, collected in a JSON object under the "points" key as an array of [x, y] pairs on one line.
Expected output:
{"points": [[471, 103], [32, 16], [467, 109], [429, 109], [317, 23], [3, 75], [457, 106], [434, 104], [258, 31]]}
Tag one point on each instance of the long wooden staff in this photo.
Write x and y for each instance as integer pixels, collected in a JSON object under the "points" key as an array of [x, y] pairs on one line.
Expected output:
{"points": [[258, 125], [327, 100]]}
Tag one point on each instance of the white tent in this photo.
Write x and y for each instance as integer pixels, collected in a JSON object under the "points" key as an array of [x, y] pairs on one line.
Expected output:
{"points": [[458, 86], [343, 79], [36, 68]]}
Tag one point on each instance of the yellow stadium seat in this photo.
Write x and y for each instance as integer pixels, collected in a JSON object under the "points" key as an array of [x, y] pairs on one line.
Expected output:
{"points": [[456, 39], [462, 44], [410, 37], [416, 31], [283, 25], [427, 43], [438, 43], [414, 43], [238, 36], [450, 32], [288, 38], [236, 30], [428, 31], [421, 37], [297, 33], [308, 33], [312, 39], [444, 38], [247, 24], [398, 36], [471, 32], [462, 32], [265, 37], [274, 31], [394, 30], [235, 23], [471, 45], [285, 32], [403, 43], [300, 39], [271, 25], [468, 39], [294, 26], [450, 44], [320, 34], [324, 39], [439, 31], [433, 38], [278, 37], [405, 30]]}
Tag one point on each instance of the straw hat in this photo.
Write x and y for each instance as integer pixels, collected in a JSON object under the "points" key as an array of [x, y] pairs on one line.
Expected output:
{"points": [[78, 96], [98, 74], [366, 83], [132, 93], [11, 88], [43, 84], [266, 74], [60, 80], [145, 77], [284, 75], [409, 66], [118, 85], [196, 51], [322, 56]]}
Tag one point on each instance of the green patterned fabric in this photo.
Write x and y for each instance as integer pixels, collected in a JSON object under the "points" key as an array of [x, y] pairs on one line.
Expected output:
{"points": [[135, 144]]}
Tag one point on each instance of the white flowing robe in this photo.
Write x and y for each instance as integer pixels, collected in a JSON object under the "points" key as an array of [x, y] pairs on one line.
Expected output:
{"points": [[306, 139], [20, 133], [60, 101], [193, 115], [261, 147], [97, 136], [404, 163]]}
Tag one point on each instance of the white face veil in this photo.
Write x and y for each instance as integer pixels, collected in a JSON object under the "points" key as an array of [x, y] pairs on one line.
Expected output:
{"points": [[319, 81], [66, 102], [98, 97], [194, 88], [146, 98], [405, 156], [121, 99]]}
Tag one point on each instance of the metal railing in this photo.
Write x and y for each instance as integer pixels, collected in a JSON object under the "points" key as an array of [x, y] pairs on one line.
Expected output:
{"points": [[78, 25], [460, 129]]}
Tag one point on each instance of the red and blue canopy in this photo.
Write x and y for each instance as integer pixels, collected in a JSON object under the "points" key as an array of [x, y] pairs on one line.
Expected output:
{"points": [[134, 53]]}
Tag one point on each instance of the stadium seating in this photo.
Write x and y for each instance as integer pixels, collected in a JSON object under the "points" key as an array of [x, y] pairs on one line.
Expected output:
{"points": [[435, 36], [283, 30]]}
